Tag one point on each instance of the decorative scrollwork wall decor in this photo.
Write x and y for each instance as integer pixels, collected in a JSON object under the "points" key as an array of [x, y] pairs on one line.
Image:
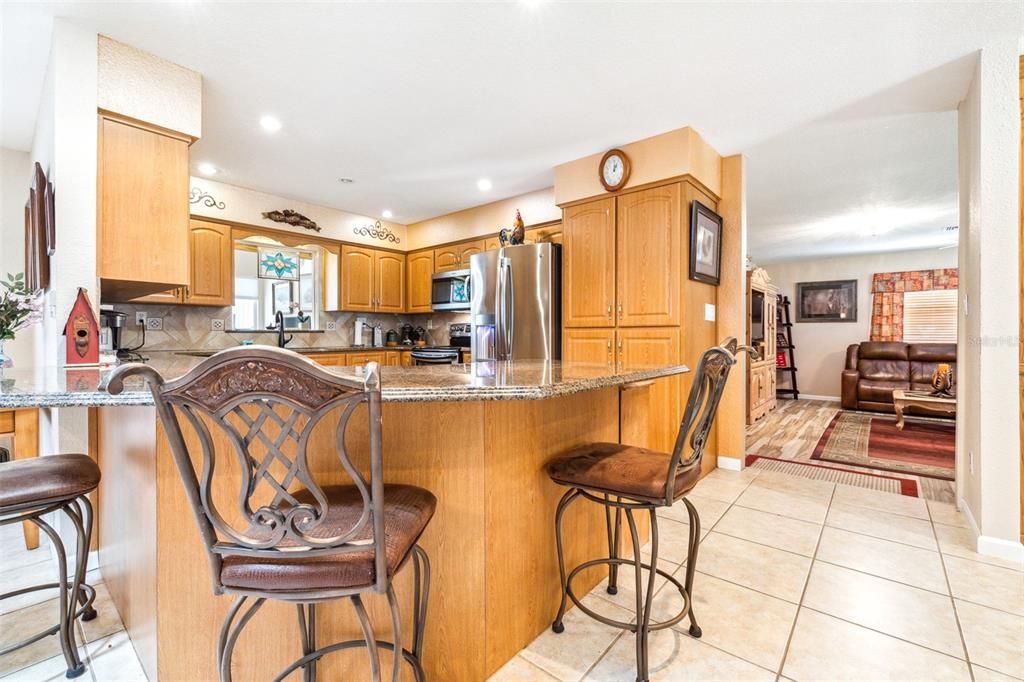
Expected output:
{"points": [[196, 195], [377, 231], [293, 218]]}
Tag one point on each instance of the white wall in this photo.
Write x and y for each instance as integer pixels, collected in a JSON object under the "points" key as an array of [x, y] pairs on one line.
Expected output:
{"points": [[15, 179], [989, 139], [820, 351]]}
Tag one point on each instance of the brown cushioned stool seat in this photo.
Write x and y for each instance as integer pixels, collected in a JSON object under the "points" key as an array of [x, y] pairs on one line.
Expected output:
{"points": [[618, 469], [407, 510], [39, 481]]}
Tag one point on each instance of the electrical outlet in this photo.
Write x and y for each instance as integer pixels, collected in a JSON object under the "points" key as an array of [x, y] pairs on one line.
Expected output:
{"points": [[430, 323], [154, 324], [140, 319], [216, 325], [331, 326]]}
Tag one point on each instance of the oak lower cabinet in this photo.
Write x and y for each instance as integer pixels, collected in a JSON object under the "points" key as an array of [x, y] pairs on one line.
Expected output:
{"points": [[648, 254], [419, 269], [372, 280], [142, 208], [589, 346], [588, 264]]}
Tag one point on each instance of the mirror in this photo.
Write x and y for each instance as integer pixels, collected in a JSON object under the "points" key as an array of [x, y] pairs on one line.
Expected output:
{"points": [[271, 277]]}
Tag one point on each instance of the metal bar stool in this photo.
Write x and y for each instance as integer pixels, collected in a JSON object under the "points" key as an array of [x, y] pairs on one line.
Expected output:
{"points": [[284, 536], [631, 479], [31, 489]]}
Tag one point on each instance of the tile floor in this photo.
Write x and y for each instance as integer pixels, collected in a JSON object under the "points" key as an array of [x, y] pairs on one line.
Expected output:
{"points": [[797, 580]]}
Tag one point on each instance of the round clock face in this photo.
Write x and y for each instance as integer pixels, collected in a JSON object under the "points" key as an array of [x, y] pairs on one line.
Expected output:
{"points": [[614, 170]]}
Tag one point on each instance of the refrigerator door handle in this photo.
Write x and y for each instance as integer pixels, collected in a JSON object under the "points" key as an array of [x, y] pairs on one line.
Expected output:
{"points": [[500, 311], [510, 324]]}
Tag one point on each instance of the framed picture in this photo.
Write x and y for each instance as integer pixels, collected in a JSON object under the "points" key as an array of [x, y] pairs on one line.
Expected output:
{"points": [[834, 301], [705, 244], [276, 263]]}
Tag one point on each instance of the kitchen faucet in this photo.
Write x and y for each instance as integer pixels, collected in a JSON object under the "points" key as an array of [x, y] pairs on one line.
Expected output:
{"points": [[279, 325]]}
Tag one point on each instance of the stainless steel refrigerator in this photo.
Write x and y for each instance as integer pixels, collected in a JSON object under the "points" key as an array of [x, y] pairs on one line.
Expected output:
{"points": [[516, 303]]}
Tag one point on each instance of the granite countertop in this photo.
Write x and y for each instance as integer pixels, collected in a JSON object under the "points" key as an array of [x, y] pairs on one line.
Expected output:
{"points": [[314, 350], [488, 380]]}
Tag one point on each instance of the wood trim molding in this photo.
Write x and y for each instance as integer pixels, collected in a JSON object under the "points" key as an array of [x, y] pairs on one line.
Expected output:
{"points": [[143, 125], [639, 188], [487, 235]]}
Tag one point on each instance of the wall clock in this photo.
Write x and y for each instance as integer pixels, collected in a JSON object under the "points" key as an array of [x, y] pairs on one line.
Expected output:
{"points": [[614, 170]]}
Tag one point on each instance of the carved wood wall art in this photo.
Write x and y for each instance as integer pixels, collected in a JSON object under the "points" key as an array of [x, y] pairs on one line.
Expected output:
{"points": [[377, 231], [196, 195], [293, 218]]}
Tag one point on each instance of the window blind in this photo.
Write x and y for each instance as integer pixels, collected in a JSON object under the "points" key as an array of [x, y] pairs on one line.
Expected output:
{"points": [[930, 316]]}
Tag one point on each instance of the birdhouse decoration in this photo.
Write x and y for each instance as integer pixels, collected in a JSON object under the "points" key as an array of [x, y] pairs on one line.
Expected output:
{"points": [[82, 333]]}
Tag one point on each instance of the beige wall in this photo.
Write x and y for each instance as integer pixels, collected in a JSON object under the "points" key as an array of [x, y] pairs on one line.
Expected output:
{"points": [[677, 152], [535, 207], [821, 346], [143, 86], [15, 179]]}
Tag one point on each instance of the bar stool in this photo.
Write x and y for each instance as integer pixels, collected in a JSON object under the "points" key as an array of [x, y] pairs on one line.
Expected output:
{"points": [[32, 488], [630, 479], [297, 541]]}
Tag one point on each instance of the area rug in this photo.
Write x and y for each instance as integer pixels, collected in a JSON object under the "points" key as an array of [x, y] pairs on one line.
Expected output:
{"points": [[821, 472], [922, 448]]}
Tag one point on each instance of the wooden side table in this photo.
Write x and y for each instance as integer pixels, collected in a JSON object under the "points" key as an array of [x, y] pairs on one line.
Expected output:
{"points": [[23, 426], [901, 400]]}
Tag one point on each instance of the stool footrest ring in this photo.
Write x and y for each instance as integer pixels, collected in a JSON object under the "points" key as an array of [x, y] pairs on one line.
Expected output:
{"points": [[632, 627]]}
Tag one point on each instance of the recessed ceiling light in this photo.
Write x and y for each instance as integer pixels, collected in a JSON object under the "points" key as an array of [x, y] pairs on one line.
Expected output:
{"points": [[270, 124], [207, 169], [483, 184], [346, 181], [386, 213]]}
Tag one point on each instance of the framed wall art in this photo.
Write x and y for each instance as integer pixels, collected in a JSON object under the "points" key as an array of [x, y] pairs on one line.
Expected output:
{"points": [[705, 244], [832, 301], [278, 263]]}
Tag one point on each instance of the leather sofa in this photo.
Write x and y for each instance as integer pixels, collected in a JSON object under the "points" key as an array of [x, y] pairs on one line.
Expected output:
{"points": [[874, 369]]}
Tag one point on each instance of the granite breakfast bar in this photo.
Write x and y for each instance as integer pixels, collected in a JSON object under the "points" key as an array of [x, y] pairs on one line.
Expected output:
{"points": [[476, 435]]}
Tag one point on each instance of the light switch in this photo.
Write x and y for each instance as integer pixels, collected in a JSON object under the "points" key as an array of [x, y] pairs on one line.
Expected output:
{"points": [[709, 312]]}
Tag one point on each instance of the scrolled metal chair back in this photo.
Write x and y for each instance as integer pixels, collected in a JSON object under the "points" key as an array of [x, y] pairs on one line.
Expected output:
{"points": [[266, 402], [701, 407]]}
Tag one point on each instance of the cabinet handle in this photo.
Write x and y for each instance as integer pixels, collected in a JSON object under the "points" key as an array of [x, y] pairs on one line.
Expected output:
{"points": [[620, 346], [620, 311], [609, 317]]}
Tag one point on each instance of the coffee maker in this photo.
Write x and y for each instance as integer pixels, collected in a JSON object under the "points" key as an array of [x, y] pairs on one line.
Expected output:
{"points": [[114, 321]]}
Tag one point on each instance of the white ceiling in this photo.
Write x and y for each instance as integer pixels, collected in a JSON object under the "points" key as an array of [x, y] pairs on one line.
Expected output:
{"points": [[416, 101]]}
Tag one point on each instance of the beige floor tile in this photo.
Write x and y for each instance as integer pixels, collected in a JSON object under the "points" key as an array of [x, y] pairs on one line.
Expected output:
{"points": [[765, 569], [520, 670], [910, 613], [676, 657], [777, 531], [626, 595], [709, 510], [13, 553], [794, 484], [673, 541], [881, 500], [986, 675], [947, 514], [27, 576], [892, 560], [720, 487], [995, 639], [738, 620], [570, 654], [51, 670], [23, 623], [960, 542], [793, 505], [826, 648], [748, 474], [880, 524], [107, 620], [113, 659], [999, 588]]}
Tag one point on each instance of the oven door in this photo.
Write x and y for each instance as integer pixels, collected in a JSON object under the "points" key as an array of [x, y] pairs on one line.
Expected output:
{"points": [[435, 357]]}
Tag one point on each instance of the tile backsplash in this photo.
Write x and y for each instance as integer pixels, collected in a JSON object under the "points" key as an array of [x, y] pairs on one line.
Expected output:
{"points": [[191, 328]]}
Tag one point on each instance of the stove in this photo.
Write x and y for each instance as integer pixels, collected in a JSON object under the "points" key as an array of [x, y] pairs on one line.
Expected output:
{"points": [[454, 354]]}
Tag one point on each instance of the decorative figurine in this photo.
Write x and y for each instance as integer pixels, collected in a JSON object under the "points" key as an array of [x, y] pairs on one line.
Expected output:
{"points": [[515, 235], [942, 381], [82, 333], [293, 218]]}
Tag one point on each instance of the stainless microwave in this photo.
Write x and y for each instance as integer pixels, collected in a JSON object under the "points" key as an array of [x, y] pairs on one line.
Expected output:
{"points": [[450, 290]]}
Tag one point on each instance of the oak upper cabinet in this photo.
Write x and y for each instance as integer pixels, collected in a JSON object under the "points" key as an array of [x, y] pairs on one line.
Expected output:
{"points": [[588, 271], [492, 243], [142, 209], [357, 278], [589, 346], [210, 252], [419, 269], [550, 234], [389, 271], [467, 249], [649, 253], [650, 413], [446, 258]]}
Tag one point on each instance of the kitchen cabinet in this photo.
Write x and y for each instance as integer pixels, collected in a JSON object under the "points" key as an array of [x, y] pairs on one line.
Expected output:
{"points": [[406, 358], [468, 249], [419, 273], [649, 257], [589, 346], [588, 276], [456, 256], [329, 359], [492, 243], [211, 280], [393, 358], [650, 413], [372, 280], [356, 359], [549, 234], [762, 303], [142, 209]]}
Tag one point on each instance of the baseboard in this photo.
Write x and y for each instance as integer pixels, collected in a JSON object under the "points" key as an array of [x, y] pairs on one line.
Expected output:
{"points": [[827, 398], [730, 463], [991, 546]]}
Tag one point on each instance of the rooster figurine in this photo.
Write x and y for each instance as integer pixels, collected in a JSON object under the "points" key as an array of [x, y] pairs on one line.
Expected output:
{"points": [[515, 235]]}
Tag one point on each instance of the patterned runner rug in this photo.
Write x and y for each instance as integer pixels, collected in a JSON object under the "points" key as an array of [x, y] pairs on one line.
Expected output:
{"points": [[922, 448], [821, 472]]}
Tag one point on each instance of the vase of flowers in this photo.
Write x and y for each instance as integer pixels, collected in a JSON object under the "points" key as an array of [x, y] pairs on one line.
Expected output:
{"points": [[20, 307]]}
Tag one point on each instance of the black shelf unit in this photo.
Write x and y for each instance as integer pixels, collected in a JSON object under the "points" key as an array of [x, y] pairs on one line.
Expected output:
{"points": [[784, 323]]}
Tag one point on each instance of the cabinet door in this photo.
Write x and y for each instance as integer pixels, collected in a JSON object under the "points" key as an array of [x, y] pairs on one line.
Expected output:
{"points": [[419, 270], [492, 243], [390, 290], [446, 258], [406, 358], [170, 297], [357, 269], [588, 264], [589, 346], [468, 249], [393, 358], [142, 195], [541, 235], [210, 253], [651, 414], [649, 240], [329, 359]]}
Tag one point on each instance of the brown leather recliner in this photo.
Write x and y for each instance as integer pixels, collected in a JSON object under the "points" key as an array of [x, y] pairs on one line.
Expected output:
{"points": [[874, 369]]}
